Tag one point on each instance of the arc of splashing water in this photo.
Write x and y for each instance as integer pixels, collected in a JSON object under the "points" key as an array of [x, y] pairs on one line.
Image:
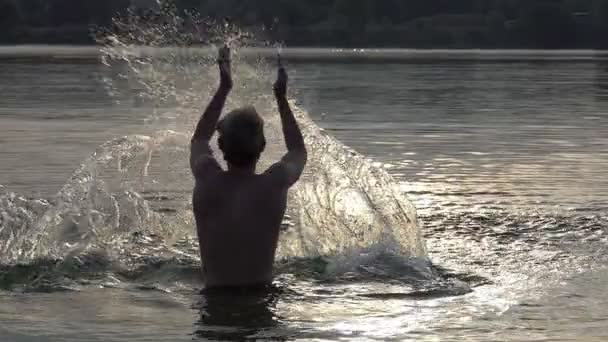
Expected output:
{"points": [[390, 210]]}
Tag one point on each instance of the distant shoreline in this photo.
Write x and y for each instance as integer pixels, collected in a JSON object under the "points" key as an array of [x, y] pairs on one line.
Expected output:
{"points": [[307, 54]]}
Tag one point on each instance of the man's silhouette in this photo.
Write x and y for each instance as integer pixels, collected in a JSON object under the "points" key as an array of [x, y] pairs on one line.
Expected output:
{"points": [[238, 212]]}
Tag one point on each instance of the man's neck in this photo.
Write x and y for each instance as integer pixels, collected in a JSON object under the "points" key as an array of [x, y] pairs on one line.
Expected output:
{"points": [[242, 170]]}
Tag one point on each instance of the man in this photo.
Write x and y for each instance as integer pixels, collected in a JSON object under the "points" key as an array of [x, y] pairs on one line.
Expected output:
{"points": [[238, 212]]}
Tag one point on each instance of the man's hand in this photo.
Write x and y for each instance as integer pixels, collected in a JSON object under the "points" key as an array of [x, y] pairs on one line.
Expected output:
{"points": [[280, 86], [224, 64]]}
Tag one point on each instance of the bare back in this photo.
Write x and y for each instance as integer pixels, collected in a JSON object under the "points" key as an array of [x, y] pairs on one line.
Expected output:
{"points": [[238, 213], [238, 221]]}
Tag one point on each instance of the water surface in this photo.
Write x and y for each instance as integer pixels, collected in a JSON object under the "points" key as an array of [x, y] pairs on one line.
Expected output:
{"points": [[503, 155]]}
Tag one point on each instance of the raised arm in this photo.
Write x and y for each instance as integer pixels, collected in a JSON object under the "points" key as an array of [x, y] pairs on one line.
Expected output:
{"points": [[292, 164], [200, 151]]}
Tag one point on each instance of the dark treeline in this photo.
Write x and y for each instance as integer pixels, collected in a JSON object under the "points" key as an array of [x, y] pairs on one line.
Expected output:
{"points": [[341, 23]]}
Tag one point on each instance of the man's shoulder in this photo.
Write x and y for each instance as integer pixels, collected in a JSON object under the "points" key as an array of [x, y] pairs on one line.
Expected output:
{"points": [[206, 166], [275, 175], [283, 173]]}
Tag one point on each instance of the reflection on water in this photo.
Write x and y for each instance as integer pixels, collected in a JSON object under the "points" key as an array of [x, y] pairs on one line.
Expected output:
{"points": [[531, 133], [237, 314]]}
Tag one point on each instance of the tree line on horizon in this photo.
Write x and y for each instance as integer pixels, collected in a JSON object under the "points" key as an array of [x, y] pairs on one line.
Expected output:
{"points": [[338, 23]]}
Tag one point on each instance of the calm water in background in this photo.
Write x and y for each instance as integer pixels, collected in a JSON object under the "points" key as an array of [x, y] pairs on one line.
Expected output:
{"points": [[469, 138], [532, 129]]}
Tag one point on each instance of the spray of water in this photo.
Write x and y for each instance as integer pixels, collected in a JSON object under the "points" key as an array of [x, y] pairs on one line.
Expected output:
{"points": [[142, 183]]}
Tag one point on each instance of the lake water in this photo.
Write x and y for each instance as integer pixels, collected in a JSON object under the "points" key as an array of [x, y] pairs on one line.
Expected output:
{"points": [[503, 153]]}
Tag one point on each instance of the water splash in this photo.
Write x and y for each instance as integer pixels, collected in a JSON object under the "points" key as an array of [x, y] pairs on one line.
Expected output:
{"points": [[139, 186]]}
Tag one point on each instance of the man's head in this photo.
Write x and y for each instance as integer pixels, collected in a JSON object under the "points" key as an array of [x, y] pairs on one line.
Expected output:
{"points": [[241, 137]]}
